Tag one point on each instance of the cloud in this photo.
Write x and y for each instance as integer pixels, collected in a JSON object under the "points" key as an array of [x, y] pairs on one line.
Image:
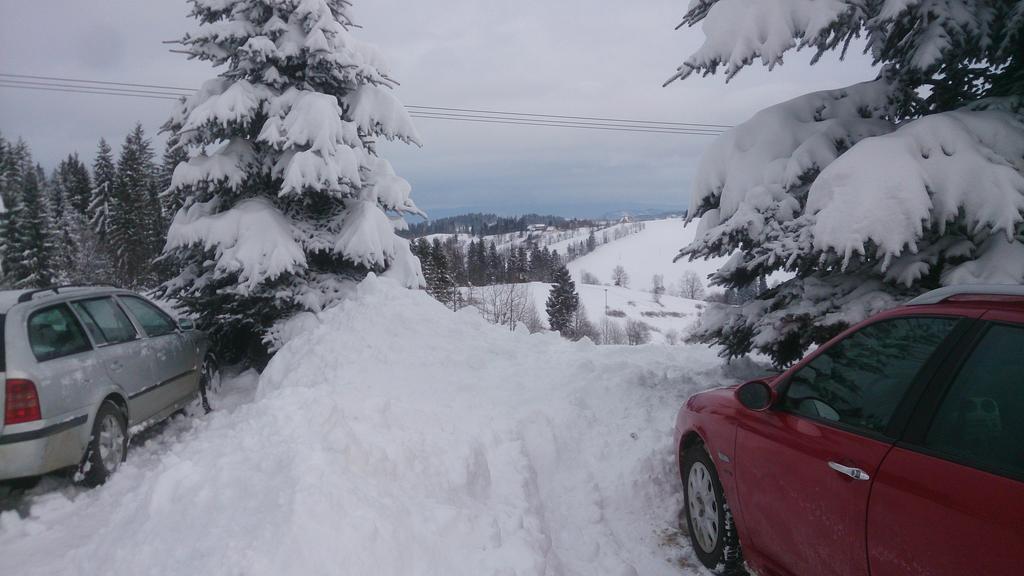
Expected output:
{"points": [[569, 57]]}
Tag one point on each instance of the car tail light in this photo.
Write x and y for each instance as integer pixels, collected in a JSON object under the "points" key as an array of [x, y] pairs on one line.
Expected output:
{"points": [[21, 403]]}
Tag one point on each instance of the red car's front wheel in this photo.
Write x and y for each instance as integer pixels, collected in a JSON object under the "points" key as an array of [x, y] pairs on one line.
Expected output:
{"points": [[708, 519]]}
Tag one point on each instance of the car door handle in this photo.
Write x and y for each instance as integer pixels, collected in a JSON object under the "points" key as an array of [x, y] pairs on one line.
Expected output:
{"points": [[116, 366], [855, 473]]}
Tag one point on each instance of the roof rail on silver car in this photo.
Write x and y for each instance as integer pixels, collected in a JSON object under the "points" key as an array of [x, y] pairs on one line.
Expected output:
{"points": [[56, 290], [940, 294]]}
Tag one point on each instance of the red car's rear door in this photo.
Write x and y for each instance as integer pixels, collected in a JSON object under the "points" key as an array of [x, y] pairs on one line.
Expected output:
{"points": [[949, 499], [804, 469]]}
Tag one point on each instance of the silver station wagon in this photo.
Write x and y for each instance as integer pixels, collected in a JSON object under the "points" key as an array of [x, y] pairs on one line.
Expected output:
{"points": [[80, 366]]}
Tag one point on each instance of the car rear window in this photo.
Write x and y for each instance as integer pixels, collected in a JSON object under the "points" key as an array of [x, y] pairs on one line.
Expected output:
{"points": [[981, 419], [54, 332]]}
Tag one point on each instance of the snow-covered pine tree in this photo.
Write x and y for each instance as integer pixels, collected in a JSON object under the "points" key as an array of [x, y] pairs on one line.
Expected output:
{"points": [[869, 194], [101, 201], [563, 302], [61, 214], [171, 199], [73, 177], [441, 284], [32, 253], [495, 265], [289, 198], [13, 163], [134, 222]]}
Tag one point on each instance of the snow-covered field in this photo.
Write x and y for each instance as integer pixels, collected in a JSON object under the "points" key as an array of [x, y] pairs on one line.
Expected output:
{"points": [[645, 254], [397, 438], [671, 313]]}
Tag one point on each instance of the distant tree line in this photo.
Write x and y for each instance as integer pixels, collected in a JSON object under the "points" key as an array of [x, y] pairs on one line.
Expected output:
{"points": [[447, 267], [490, 224], [80, 226]]}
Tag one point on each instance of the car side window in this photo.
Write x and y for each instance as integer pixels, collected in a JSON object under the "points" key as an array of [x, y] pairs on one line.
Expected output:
{"points": [[981, 420], [54, 332], [154, 321], [105, 321], [860, 380]]}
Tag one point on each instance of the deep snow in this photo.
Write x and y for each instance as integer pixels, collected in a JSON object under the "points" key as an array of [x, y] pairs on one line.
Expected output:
{"points": [[398, 438]]}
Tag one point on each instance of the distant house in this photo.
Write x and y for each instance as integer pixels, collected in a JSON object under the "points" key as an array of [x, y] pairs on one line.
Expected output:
{"points": [[537, 228]]}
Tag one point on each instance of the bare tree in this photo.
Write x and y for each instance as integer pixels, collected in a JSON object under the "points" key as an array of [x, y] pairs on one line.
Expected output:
{"points": [[691, 286], [620, 277], [637, 332], [672, 337], [581, 326], [588, 278], [612, 333], [531, 317], [657, 288], [505, 304]]}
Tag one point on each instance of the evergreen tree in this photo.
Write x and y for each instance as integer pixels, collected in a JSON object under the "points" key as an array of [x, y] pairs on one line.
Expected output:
{"points": [[879, 191], [102, 201], [495, 265], [563, 302], [72, 177], [135, 223], [32, 253], [284, 148], [171, 199], [476, 263], [15, 160], [442, 284]]}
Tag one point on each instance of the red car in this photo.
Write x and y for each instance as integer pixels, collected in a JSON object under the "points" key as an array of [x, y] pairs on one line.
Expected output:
{"points": [[896, 448]]}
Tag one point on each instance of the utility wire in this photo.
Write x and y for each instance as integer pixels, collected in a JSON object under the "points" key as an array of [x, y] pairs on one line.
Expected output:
{"points": [[557, 125], [31, 77], [106, 88], [4, 85], [679, 124]]}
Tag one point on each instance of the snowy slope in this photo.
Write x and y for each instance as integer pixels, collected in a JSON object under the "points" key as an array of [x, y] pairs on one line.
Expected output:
{"points": [[671, 313], [645, 254], [398, 438]]}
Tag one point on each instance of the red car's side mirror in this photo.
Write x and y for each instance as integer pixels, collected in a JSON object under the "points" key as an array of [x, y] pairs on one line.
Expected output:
{"points": [[756, 395]]}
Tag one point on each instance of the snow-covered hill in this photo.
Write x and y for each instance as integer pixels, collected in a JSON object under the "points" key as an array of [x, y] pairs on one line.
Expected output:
{"points": [[645, 254], [671, 314], [398, 438]]}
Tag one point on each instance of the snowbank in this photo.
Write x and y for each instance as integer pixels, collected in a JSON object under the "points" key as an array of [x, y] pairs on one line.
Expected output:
{"points": [[397, 438]]}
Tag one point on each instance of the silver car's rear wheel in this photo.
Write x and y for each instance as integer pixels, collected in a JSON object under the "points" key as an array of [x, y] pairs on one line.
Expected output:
{"points": [[108, 445], [111, 443], [703, 507]]}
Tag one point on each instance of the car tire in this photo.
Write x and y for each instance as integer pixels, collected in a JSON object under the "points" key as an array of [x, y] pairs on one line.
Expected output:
{"points": [[708, 518], [108, 445], [209, 381]]}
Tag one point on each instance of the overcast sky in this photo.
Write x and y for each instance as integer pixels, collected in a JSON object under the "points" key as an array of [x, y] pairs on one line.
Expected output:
{"points": [[572, 57]]}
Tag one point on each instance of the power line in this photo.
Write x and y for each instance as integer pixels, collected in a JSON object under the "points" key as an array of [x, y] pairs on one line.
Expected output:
{"points": [[680, 124], [4, 85], [119, 91], [554, 125], [108, 88], [59, 79]]}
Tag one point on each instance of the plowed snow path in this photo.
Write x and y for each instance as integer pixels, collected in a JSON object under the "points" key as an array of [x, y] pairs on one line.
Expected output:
{"points": [[396, 438]]}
